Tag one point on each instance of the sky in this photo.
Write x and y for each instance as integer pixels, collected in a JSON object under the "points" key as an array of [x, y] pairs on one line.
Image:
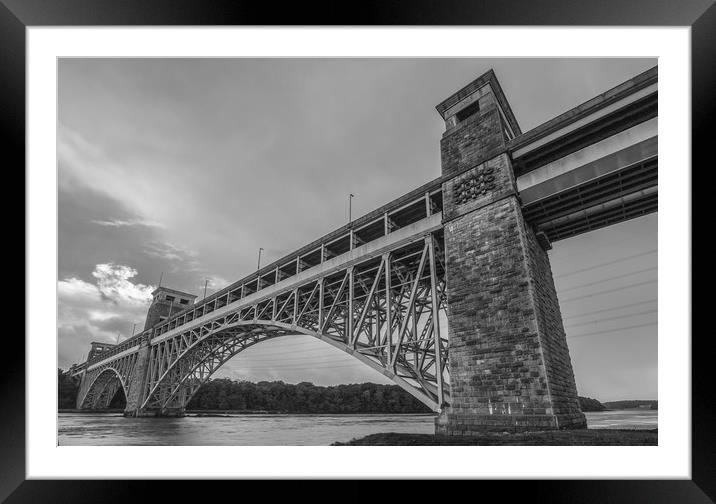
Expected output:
{"points": [[185, 167]]}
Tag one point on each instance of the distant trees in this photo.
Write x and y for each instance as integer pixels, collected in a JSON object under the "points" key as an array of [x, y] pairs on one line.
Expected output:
{"points": [[589, 404], [67, 388], [304, 397], [641, 404]]}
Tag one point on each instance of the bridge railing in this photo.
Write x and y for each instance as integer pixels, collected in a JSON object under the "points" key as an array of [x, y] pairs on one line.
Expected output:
{"points": [[399, 213], [120, 347]]}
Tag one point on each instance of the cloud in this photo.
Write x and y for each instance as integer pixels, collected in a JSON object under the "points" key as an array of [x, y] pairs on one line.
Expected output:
{"points": [[144, 185], [128, 223], [173, 253], [113, 282], [216, 282], [98, 311]]}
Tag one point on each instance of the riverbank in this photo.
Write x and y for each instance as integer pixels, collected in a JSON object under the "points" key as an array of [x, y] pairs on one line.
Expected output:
{"points": [[585, 437], [93, 411], [235, 412], [200, 413]]}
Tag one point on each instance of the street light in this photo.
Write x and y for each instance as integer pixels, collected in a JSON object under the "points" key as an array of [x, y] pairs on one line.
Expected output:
{"points": [[258, 266], [350, 200]]}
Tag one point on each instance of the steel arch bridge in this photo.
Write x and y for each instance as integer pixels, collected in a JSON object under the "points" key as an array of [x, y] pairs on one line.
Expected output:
{"points": [[464, 253], [380, 306]]}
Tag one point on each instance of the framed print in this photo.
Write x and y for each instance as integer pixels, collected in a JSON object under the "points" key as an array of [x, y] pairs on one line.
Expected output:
{"points": [[273, 236]]}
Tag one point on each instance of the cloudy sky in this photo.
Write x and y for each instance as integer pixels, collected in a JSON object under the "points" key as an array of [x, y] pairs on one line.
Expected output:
{"points": [[187, 167]]}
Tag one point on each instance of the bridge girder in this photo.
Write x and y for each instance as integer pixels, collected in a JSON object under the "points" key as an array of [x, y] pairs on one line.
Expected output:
{"points": [[380, 310], [348, 309], [98, 386]]}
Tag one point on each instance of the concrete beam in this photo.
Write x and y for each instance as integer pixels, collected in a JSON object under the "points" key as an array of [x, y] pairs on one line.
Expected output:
{"points": [[539, 142], [618, 151]]}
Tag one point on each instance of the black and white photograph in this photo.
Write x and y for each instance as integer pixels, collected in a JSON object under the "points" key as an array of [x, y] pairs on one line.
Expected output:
{"points": [[259, 238], [357, 251]]}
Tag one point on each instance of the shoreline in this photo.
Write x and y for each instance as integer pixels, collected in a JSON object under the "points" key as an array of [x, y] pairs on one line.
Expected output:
{"points": [[218, 412], [581, 437], [223, 413]]}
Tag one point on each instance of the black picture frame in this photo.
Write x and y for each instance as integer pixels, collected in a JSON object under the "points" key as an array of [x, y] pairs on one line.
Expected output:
{"points": [[700, 15]]}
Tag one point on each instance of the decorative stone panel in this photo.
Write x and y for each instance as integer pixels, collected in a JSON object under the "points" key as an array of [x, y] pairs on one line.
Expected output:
{"points": [[476, 185]]}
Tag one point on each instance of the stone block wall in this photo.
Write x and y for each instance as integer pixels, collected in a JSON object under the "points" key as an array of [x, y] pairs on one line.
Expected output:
{"points": [[477, 138], [509, 362], [558, 364], [137, 382]]}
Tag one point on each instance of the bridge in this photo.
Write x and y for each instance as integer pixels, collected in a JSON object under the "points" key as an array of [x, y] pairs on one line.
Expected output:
{"points": [[447, 290]]}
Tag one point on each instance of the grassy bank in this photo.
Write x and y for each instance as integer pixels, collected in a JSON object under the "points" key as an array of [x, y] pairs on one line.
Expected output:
{"points": [[592, 437]]}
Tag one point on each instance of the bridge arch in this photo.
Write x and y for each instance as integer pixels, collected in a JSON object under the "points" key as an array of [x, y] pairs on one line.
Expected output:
{"points": [[199, 361], [381, 306], [101, 388]]}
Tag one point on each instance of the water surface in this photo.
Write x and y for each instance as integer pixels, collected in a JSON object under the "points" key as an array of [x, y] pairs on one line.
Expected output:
{"points": [[264, 430]]}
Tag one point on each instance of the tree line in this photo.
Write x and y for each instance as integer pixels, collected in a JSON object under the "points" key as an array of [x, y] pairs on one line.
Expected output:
{"points": [[589, 404], [304, 397], [645, 404]]}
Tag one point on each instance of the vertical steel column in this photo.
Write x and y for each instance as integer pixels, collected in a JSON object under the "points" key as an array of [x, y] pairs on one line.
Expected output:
{"points": [[320, 299], [388, 307], [349, 325], [410, 312], [295, 306], [436, 320]]}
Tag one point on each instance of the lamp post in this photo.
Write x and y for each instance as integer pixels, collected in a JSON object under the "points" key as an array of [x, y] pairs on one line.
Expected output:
{"points": [[350, 201], [258, 266]]}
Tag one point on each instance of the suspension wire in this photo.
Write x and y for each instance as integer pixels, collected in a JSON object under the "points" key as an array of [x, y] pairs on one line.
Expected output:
{"points": [[303, 358], [613, 330], [625, 258], [608, 291], [608, 279], [260, 368], [585, 314], [612, 318], [307, 351]]}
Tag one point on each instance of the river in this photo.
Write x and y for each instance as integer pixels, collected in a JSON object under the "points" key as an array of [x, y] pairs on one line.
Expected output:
{"points": [[264, 430]]}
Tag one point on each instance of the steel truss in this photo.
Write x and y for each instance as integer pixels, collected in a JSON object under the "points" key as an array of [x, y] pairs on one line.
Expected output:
{"points": [[101, 384], [382, 310]]}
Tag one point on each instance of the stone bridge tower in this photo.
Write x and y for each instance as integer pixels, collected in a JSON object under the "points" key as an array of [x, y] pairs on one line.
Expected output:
{"points": [[509, 363], [166, 301]]}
